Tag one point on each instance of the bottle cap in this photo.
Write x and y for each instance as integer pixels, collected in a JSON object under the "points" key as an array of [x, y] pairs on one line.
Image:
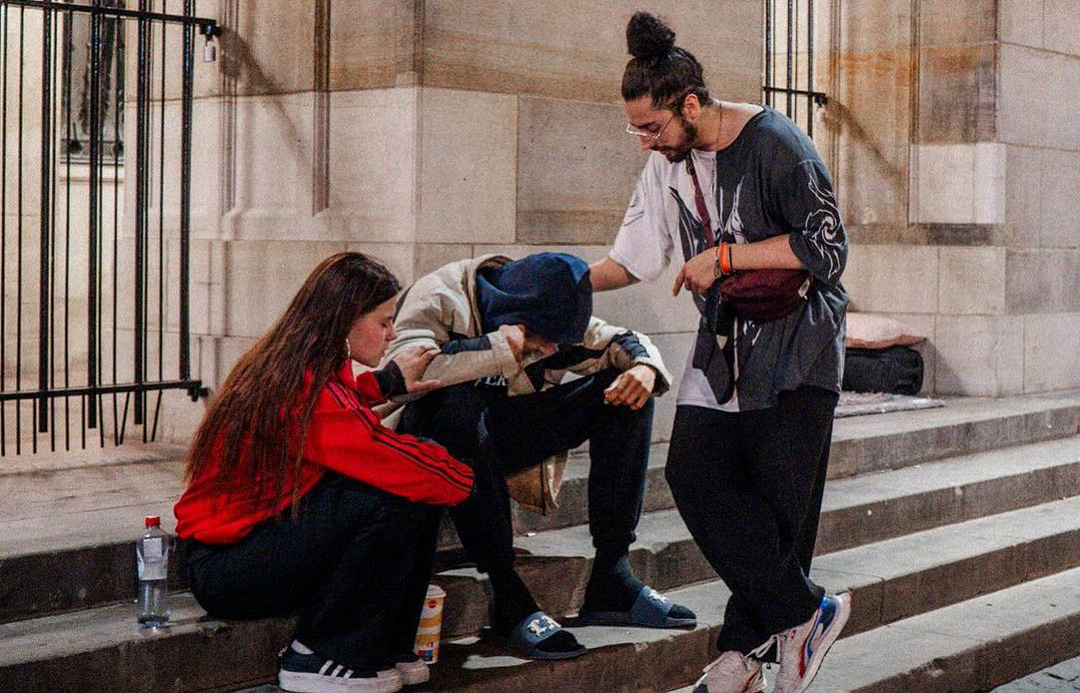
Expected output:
{"points": [[153, 521]]}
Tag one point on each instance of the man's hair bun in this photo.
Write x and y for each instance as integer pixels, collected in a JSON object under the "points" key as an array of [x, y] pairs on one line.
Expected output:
{"points": [[647, 38], [659, 68]]}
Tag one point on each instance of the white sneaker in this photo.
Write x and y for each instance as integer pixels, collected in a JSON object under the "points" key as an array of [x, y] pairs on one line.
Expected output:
{"points": [[802, 648], [392, 680], [732, 672], [413, 671], [303, 671]]}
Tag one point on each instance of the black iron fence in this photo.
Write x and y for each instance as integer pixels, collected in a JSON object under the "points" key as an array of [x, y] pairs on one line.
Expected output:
{"points": [[790, 61], [95, 179]]}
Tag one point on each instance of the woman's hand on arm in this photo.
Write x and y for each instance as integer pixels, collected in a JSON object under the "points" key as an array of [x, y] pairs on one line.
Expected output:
{"points": [[412, 363]]}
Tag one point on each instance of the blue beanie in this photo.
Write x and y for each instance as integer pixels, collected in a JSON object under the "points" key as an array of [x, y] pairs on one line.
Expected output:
{"points": [[550, 293]]}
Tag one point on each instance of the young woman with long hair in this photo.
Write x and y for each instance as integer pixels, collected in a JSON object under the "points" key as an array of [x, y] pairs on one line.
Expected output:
{"points": [[299, 499]]}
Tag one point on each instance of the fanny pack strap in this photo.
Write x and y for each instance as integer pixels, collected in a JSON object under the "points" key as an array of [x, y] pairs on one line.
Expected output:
{"points": [[699, 202]]}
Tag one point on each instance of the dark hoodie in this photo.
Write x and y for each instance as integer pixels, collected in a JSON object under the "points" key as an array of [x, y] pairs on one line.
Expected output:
{"points": [[549, 293]]}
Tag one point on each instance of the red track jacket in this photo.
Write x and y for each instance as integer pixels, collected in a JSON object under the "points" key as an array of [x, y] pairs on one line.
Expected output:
{"points": [[344, 436]]}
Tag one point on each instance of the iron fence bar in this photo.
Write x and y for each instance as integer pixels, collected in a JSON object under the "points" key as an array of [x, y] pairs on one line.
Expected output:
{"points": [[19, 234], [142, 102], [45, 201], [119, 12], [799, 29], [194, 388], [95, 187], [810, 66], [98, 93], [161, 227], [790, 36], [819, 97], [122, 423], [51, 66], [795, 59], [68, 34], [112, 42], [3, 237], [187, 94], [142, 322], [769, 4], [99, 215]]}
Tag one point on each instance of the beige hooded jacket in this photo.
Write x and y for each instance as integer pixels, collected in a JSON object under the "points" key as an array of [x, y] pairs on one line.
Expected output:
{"points": [[442, 306]]}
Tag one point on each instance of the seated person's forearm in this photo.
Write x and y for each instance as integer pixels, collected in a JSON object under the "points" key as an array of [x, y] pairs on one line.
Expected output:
{"points": [[468, 359]]}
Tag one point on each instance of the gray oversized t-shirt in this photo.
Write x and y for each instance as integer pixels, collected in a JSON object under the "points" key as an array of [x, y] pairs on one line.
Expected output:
{"points": [[769, 181]]}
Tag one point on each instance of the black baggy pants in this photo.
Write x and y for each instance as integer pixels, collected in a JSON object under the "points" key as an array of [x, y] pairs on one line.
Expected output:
{"points": [[749, 487], [498, 435], [355, 562]]}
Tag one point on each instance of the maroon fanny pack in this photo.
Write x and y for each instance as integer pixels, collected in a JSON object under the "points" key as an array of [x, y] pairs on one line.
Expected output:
{"points": [[764, 295]]}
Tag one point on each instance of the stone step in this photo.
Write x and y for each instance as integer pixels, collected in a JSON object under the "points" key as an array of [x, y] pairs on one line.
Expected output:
{"points": [[69, 531], [976, 645], [899, 576], [963, 426], [867, 443], [87, 515], [103, 649], [880, 505], [920, 572], [969, 646], [856, 511], [890, 581], [861, 444], [1063, 676], [69, 525]]}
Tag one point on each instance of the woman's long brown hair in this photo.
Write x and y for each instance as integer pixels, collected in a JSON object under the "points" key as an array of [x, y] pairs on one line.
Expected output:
{"points": [[257, 423]]}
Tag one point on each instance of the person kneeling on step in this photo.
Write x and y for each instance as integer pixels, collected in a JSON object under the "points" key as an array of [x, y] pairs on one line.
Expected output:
{"points": [[507, 332]]}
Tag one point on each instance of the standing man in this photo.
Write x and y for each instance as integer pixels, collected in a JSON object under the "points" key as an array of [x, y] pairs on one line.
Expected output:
{"points": [[737, 187]]}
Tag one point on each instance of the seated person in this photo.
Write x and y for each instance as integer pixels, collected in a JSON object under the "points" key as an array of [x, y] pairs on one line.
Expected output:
{"points": [[298, 498], [507, 333]]}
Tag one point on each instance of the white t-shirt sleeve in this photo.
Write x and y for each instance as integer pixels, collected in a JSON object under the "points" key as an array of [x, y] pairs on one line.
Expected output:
{"points": [[643, 244]]}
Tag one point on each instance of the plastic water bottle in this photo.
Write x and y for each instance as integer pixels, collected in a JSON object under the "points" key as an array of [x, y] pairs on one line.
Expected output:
{"points": [[152, 554]]}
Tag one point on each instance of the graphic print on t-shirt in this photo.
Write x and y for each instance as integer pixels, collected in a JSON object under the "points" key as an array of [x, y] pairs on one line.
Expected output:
{"points": [[692, 230], [733, 226], [782, 189], [824, 229], [692, 237]]}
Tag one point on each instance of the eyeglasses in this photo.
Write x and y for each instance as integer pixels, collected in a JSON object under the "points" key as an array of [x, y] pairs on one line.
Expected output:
{"points": [[638, 132], [676, 106]]}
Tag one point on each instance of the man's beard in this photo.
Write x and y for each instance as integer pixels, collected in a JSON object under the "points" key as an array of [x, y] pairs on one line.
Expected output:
{"points": [[681, 150]]}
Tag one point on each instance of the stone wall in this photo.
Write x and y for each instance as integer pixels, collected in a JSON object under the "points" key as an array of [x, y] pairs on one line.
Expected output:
{"points": [[424, 132], [961, 193]]}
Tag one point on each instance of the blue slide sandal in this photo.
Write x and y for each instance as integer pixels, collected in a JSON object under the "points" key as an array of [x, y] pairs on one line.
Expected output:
{"points": [[525, 638], [650, 610]]}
